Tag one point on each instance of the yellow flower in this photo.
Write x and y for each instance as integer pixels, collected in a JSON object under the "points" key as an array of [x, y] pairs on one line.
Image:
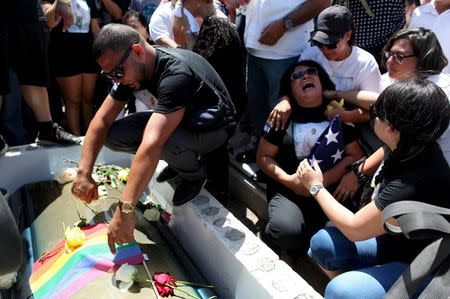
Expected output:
{"points": [[331, 107], [75, 237], [123, 174], [65, 175]]}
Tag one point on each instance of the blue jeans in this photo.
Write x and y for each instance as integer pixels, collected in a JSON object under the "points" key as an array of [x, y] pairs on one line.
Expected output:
{"points": [[263, 87], [366, 277]]}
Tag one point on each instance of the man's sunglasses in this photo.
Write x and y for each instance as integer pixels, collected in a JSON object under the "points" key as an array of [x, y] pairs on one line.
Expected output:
{"points": [[299, 74], [119, 72], [397, 56]]}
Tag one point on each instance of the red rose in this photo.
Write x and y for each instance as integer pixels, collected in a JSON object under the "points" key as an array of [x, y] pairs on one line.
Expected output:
{"points": [[163, 283]]}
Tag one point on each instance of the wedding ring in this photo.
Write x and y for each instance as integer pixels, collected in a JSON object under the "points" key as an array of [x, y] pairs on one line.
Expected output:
{"points": [[278, 116]]}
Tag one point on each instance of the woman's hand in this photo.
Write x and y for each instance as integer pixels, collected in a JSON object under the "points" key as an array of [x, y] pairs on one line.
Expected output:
{"points": [[330, 94], [297, 186], [347, 187], [336, 109], [308, 175], [280, 114]]}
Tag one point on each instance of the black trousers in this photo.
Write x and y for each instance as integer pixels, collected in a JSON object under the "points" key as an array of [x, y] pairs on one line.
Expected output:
{"points": [[183, 151]]}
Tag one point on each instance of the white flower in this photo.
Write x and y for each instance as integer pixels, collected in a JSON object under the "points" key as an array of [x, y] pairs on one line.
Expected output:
{"points": [[65, 175], [124, 286], [152, 214], [101, 190], [123, 174], [126, 273], [96, 178]]}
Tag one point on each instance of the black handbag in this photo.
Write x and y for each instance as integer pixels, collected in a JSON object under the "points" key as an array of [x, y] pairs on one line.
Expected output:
{"points": [[418, 220]]}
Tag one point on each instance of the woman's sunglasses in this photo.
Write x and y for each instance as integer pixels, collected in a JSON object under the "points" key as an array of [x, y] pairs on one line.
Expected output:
{"points": [[299, 74], [119, 71], [397, 56]]}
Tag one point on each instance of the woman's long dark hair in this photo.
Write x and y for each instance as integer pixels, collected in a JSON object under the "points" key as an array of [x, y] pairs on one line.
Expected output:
{"points": [[419, 110], [285, 85]]}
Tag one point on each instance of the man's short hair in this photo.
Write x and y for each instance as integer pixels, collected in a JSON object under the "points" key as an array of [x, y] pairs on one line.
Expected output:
{"points": [[117, 37]]}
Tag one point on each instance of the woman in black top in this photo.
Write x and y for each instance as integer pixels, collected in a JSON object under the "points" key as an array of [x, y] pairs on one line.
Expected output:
{"points": [[293, 217], [72, 61], [409, 117]]}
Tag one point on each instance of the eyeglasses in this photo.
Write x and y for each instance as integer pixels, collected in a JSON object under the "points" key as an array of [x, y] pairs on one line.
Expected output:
{"points": [[397, 56], [299, 74], [119, 72]]}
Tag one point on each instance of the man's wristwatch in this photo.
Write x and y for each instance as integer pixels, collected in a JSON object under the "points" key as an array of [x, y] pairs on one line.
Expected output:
{"points": [[315, 189], [288, 23], [125, 207]]}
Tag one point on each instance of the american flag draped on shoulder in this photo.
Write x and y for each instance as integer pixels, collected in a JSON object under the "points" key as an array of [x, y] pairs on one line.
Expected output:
{"points": [[329, 148]]}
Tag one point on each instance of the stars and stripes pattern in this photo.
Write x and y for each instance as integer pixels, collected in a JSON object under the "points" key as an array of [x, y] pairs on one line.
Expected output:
{"points": [[329, 148]]}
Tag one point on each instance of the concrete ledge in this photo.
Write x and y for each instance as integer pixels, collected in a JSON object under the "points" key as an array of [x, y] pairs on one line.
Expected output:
{"points": [[228, 253]]}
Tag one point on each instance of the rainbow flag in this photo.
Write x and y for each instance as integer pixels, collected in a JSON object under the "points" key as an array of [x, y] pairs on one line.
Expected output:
{"points": [[58, 274]]}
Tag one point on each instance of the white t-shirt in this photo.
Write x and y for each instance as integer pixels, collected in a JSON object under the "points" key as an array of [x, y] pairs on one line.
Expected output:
{"points": [[81, 13], [426, 16], [443, 81], [161, 22], [259, 14], [359, 71]]}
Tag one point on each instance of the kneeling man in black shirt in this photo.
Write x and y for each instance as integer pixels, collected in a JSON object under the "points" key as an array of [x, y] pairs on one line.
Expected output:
{"points": [[192, 116]]}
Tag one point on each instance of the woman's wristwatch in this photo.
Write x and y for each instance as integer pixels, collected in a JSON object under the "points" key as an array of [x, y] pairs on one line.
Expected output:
{"points": [[315, 189]]}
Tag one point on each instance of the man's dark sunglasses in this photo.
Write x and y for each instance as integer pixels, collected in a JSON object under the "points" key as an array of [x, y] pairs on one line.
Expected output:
{"points": [[299, 74], [119, 72], [397, 56]]}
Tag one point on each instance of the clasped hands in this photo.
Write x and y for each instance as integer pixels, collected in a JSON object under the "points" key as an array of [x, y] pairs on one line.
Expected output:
{"points": [[308, 175]]}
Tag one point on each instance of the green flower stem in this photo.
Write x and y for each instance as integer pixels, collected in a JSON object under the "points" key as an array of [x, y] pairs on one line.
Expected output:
{"points": [[174, 288], [183, 291], [188, 283], [91, 209]]}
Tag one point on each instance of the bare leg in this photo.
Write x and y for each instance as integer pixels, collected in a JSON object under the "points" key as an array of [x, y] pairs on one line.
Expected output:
{"points": [[71, 88], [87, 96], [37, 98], [329, 273]]}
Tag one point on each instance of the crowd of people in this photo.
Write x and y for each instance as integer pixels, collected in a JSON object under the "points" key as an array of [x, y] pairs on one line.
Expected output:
{"points": [[344, 106]]}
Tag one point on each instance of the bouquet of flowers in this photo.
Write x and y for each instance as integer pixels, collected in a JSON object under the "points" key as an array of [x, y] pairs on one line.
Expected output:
{"points": [[115, 177]]}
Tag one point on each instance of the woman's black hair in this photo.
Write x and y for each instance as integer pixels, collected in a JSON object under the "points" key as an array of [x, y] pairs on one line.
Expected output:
{"points": [[430, 57], [285, 85], [138, 15], [412, 2], [419, 110]]}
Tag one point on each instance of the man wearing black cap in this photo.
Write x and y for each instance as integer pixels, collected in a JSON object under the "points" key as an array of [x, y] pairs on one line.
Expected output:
{"points": [[350, 67]]}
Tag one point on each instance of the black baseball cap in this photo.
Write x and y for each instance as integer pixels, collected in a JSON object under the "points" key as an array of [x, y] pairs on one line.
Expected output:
{"points": [[332, 23]]}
